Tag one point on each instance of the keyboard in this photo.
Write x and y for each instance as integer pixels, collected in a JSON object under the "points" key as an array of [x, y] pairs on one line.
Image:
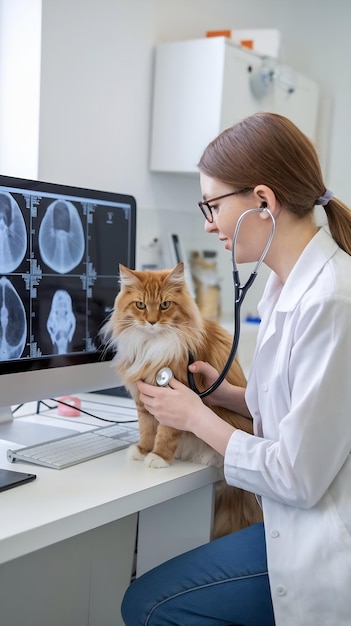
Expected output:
{"points": [[78, 447]]}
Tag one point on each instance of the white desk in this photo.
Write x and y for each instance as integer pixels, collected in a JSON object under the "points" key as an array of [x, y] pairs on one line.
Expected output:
{"points": [[67, 539]]}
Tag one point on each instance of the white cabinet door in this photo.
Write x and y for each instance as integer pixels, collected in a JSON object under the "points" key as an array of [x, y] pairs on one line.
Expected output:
{"points": [[202, 86]]}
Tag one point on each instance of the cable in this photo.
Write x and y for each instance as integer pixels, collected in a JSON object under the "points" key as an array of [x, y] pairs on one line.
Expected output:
{"points": [[98, 417]]}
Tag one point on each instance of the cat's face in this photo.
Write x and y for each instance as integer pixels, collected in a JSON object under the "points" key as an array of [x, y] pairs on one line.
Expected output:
{"points": [[153, 300], [155, 322]]}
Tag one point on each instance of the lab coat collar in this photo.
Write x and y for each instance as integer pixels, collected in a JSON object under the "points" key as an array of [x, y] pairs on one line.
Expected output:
{"points": [[316, 254]]}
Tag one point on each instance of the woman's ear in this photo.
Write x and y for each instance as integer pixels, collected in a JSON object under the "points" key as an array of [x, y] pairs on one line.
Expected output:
{"points": [[266, 199]]}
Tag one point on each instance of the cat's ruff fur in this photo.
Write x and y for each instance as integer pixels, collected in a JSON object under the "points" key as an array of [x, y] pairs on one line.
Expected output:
{"points": [[156, 323]]}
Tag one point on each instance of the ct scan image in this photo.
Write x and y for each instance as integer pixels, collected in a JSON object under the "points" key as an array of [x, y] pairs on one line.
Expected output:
{"points": [[58, 273], [13, 235], [61, 322], [13, 325], [61, 237]]}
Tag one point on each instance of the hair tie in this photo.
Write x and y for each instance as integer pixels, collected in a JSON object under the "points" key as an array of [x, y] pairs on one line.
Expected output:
{"points": [[324, 199]]}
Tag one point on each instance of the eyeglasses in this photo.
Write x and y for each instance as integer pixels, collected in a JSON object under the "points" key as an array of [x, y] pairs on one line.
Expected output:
{"points": [[207, 209]]}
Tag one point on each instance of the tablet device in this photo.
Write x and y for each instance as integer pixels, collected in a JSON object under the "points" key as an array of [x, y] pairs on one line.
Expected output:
{"points": [[9, 479]]}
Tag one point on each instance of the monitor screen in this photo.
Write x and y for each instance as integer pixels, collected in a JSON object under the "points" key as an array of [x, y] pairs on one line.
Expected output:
{"points": [[60, 248]]}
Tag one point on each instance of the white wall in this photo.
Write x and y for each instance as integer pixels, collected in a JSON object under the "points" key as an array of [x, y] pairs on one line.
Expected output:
{"points": [[96, 91], [20, 43]]}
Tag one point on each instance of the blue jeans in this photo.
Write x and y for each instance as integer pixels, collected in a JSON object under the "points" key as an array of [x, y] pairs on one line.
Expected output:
{"points": [[224, 582]]}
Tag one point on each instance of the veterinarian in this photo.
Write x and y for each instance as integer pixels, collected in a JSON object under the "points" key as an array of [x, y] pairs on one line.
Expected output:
{"points": [[295, 568]]}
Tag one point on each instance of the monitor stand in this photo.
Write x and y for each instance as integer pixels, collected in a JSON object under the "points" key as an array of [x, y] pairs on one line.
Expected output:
{"points": [[26, 433]]}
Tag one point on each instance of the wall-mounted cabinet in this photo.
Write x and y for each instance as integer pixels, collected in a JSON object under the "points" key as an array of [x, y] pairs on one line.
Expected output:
{"points": [[203, 86]]}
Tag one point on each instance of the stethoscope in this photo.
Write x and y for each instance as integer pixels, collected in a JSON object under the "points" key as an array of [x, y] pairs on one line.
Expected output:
{"points": [[165, 374]]}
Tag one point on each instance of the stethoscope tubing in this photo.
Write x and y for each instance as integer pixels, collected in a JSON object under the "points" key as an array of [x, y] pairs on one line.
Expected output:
{"points": [[240, 292]]}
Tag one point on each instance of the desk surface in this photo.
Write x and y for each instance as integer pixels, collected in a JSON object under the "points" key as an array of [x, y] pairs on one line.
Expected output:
{"points": [[63, 503]]}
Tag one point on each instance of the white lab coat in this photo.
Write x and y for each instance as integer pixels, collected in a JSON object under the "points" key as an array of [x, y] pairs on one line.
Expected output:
{"points": [[298, 460]]}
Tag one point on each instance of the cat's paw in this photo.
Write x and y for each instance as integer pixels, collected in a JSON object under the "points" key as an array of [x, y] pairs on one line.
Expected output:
{"points": [[154, 460], [134, 453]]}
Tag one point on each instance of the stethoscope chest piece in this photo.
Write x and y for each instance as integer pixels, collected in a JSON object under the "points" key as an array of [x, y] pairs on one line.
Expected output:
{"points": [[163, 376]]}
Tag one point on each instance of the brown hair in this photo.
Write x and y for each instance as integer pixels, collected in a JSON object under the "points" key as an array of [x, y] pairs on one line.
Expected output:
{"points": [[269, 149]]}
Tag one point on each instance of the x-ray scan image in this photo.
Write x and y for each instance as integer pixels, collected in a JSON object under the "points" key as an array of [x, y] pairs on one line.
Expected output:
{"points": [[61, 237], [13, 238], [13, 325], [61, 322], [59, 252]]}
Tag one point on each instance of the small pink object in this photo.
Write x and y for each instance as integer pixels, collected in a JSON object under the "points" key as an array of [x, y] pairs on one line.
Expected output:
{"points": [[71, 408]]}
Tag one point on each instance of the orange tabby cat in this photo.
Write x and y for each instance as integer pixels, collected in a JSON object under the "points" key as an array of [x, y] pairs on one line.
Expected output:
{"points": [[156, 323]]}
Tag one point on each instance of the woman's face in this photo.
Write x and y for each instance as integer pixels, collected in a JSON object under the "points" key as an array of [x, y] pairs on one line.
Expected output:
{"points": [[253, 231]]}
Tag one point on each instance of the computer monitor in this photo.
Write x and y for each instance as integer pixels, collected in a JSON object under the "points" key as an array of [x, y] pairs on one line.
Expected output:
{"points": [[60, 247]]}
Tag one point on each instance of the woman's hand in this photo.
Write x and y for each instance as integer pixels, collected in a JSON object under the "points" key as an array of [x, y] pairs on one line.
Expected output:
{"points": [[210, 375], [180, 407], [226, 395], [176, 405]]}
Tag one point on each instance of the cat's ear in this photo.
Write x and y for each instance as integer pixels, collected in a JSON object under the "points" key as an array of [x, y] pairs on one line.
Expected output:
{"points": [[177, 274], [127, 277]]}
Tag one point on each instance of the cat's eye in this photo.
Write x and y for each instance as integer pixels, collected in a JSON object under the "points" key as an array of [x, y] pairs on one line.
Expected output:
{"points": [[140, 305], [165, 305]]}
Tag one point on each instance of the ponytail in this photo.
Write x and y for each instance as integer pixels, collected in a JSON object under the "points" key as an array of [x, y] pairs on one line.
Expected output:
{"points": [[339, 222]]}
